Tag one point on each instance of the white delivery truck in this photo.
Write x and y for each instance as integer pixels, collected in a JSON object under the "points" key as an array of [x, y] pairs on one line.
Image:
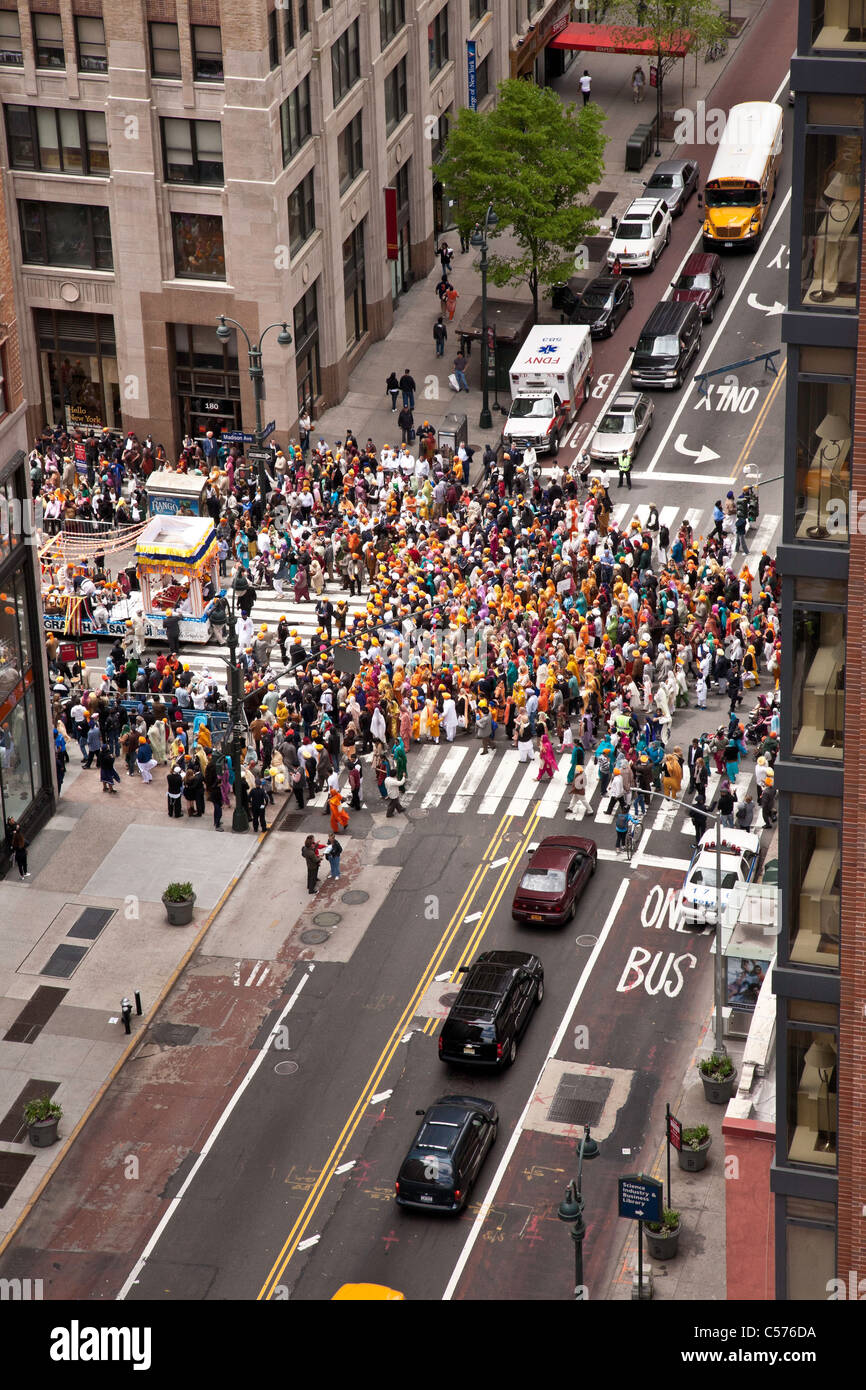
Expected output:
{"points": [[551, 378]]}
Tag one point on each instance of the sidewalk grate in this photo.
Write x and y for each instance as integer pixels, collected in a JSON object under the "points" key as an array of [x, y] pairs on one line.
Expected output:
{"points": [[596, 247], [91, 922], [579, 1099], [35, 1014], [174, 1034], [602, 200], [292, 822], [12, 1127], [63, 961], [12, 1170]]}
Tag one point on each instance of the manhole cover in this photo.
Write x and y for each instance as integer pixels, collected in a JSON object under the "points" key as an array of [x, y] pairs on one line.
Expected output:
{"points": [[585, 940], [313, 936], [286, 1068], [579, 1099], [327, 919], [355, 896], [384, 832], [174, 1034]]}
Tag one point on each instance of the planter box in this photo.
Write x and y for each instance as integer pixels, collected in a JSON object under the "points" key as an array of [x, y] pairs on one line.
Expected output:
{"points": [[179, 914], [43, 1133], [661, 1247], [693, 1160], [719, 1092]]}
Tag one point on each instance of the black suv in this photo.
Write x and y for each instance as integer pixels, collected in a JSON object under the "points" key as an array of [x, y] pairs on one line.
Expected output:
{"points": [[446, 1155], [495, 1003]]}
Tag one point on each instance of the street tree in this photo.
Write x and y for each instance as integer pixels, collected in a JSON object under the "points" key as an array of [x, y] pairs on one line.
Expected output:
{"points": [[533, 160], [690, 24]]}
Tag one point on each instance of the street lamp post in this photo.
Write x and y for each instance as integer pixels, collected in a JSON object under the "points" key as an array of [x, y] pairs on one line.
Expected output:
{"points": [[571, 1210], [254, 350], [479, 239]]}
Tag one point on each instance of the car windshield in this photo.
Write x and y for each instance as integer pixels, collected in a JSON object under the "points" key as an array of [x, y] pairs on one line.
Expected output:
{"points": [[732, 197], [633, 231], [706, 878], [665, 181], [543, 881], [525, 406], [597, 299], [616, 424], [694, 282], [662, 346]]}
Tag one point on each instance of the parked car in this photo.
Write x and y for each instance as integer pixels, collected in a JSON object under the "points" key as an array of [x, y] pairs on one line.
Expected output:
{"points": [[643, 232], [740, 853], [622, 426], [604, 304], [445, 1157], [675, 180], [499, 995], [701, 281], [669, 341], [553, 880]]}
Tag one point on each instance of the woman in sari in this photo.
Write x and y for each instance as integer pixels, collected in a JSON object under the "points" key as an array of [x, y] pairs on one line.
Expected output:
{"points": [[339, 816], [548, 760]]}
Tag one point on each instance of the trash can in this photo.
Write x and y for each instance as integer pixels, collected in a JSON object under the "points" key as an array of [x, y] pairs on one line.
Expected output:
{"points": [[453, 432], [636, 150]]}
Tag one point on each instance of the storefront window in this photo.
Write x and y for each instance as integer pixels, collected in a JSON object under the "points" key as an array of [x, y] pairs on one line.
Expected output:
{"points": [[814, 888], [831, 220], [824, 432], [78, 361], [199, 253], [812, 1051], [207, 383], [818, 684], [810, 1255], [839, 26]]}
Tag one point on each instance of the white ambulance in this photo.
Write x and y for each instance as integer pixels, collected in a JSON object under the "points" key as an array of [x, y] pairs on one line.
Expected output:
{"points": [[551, 377]]}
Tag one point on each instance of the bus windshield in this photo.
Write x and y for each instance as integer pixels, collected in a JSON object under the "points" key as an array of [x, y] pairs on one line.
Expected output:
{"points": [[732, 197]]}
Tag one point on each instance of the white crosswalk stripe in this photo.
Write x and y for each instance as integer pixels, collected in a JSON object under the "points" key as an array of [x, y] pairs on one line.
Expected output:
{"points": [[444, 776], [417, 764], [475, 774], [556, 791], [591, 777], [508, 764], [764, 534], [526, 789]]}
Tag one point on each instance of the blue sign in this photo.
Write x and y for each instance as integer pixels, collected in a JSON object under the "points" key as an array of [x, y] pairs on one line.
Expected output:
{"points": [[237, 437], [269, 428], [172, 506], [640, 1197], [472, 66]]}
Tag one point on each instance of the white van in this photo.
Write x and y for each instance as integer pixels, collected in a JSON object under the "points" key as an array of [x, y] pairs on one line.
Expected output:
{"points": [[551, 377]]}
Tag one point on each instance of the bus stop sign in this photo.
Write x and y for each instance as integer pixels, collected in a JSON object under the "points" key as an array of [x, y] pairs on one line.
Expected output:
{"points": [[640, 1197]]}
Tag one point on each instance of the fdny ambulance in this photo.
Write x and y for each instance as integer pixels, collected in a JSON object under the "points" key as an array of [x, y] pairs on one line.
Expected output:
{"points": [[551, 377]]}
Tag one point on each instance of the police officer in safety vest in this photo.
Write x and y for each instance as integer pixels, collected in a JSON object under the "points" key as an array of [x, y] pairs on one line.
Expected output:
{"points": [[623, 463]]}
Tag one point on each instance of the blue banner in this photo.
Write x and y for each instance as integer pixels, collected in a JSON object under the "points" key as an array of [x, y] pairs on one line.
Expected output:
{"points": [[473, 89]]}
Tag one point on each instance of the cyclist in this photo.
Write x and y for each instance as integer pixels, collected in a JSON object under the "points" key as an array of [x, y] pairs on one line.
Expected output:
{"points": [[633, 829]]}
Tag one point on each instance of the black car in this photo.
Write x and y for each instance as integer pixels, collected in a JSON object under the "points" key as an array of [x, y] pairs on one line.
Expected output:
{"points": [[498, 997], [604, 304], [445, 1157]]}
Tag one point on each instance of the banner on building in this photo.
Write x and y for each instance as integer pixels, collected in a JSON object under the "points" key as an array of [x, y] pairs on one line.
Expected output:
{"points": [[82, 417], [391, 223], [472, 65]]}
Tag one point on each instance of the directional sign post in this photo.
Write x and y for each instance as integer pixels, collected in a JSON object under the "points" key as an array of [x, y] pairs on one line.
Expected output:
{"points": [[269, 429], [674, 1136], [640, 1200], [237, 437]]}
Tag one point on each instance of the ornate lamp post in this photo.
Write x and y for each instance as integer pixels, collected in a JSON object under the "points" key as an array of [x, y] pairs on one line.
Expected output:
{"points": [[254, 350], [479, 239], [571, 1210]]}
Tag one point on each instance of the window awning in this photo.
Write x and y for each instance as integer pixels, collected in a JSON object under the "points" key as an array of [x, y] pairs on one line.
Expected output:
{"points": [[606, 38]]}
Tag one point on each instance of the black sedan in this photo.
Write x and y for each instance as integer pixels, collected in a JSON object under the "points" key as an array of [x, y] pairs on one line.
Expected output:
{"points": [[604, 304], [445, 1157]]}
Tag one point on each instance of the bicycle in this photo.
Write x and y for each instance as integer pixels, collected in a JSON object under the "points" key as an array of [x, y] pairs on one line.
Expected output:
{"points": [[716, 50], [632, 835]]}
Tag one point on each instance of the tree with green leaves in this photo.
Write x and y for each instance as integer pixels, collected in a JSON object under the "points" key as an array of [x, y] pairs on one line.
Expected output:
{"points": [[689, 24], [533, 159]]}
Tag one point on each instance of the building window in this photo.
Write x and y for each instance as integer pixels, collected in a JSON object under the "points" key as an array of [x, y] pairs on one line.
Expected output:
{"points": [[192, 151], [206, 380], [302, 212], [11, 54], [814, 887], [437, 41], [48, 41], [207, 53], [810, 1249], [164, 51], [811, 1059], [295, 120], [57, 141], [288, 27], [831, 220], [355, 286], [67, 234], [396, 96], [346, 62], [482, 80], [392, 18], [306, 326], [78, 364], [350, 152], [823, 444], [273, 41], [477, 11], [90, 42], [199, 253], [818, 683], [839, 26], [303, 17]]}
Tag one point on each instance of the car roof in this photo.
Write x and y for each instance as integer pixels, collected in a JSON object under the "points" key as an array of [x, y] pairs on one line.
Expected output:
{"points": [[642, 208], [668, 317], [671, 166], [734, 841], [700, 262], [603, 282], [557, 850], [624, 400]]}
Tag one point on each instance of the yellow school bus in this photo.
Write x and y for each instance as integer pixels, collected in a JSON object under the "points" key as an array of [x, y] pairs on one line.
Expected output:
{"points": [[366, 1293], [742, 181]]}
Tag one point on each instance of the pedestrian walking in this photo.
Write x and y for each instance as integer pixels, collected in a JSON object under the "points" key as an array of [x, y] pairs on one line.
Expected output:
{"points": [[585, 90], [460, 372], [440, 334], [332, 854], [174, 792], [451, 298], [310, 852], [392, 389], [484, 727], [339, 816], [638, 84], [407, 386], [623, 464], [213, 790], [19, 850], [145, 759], [578, 790], [258, 800], [393, 788], [107, 772], [406, 421], [355, 776]]}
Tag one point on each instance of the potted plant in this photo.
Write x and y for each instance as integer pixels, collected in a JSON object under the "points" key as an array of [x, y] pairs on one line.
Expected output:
{"points": [[179, 900], [662, 1237], [719, 1076], [41, 1117], [693, 1154]]}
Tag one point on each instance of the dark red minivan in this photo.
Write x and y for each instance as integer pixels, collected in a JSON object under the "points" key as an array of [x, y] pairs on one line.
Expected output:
{"points": [[701, 282]]}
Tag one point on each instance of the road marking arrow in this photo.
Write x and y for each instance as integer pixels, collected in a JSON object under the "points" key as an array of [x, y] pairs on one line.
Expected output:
{"points": [[770, 310], [344, 1168], [473, 917], [702, 455], [306, 1244], [381, 1095]]}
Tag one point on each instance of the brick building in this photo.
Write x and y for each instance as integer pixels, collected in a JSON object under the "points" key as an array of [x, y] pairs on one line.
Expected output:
{"points": [[167, 161]]}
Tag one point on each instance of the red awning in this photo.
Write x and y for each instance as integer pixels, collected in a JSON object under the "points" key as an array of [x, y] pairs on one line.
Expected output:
{"points": [[605, 38]]}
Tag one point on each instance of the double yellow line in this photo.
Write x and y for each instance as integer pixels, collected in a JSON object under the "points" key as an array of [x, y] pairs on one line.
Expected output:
{"points": [[759, 423], [346, 1135]]}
